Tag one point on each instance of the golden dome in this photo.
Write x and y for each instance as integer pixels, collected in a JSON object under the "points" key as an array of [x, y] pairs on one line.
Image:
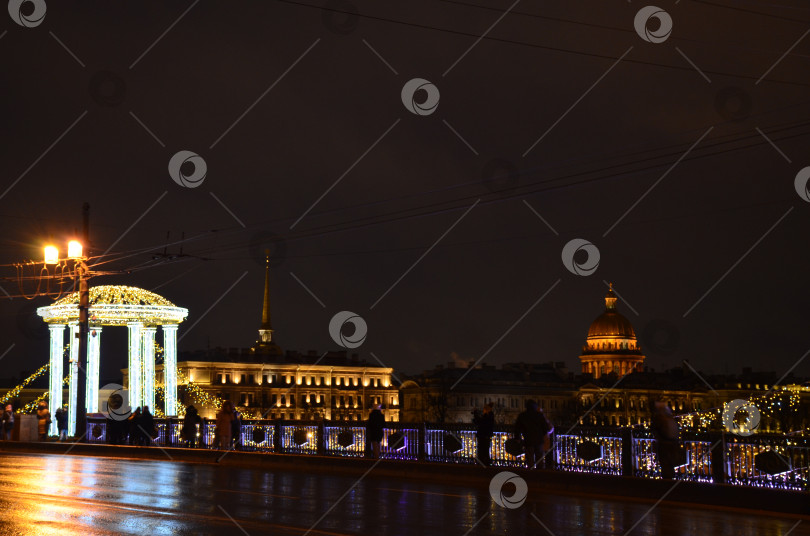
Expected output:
{"points": [[611, 346], [611, 323]]}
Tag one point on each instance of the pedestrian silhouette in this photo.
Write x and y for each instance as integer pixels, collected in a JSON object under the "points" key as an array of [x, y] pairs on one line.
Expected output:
{"points": [[534, 430], [189, 430], [43, 420], [147, 427], [62, 423], [665, 430], [8, 422], [485, 427], [374, 430], [222, 438]]}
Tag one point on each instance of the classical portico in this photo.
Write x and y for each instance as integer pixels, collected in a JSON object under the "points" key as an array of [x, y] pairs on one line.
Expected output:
{"points": [[142, 312]]}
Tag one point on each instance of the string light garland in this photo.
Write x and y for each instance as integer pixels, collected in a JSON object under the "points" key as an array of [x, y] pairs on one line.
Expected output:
{"points": [[777, 403], [116, 305], [15, 392], [117, 295], [31, 407], [197, 394]]}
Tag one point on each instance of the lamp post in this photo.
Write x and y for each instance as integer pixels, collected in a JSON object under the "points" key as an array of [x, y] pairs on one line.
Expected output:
{"points": [[77, 270]]}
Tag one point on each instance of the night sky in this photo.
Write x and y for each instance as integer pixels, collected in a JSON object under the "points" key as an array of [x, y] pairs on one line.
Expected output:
{"points": [[677, 160]]}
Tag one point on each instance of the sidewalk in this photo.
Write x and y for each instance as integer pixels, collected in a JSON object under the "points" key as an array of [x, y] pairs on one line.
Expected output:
{"points": [[750, 499]]}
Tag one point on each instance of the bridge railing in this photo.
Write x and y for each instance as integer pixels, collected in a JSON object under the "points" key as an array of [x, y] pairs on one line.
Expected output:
{"points": [[776, 461]]}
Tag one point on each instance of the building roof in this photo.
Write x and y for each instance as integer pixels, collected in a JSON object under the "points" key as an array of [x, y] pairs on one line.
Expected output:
{"points": [[611, 324], [290, 357]]}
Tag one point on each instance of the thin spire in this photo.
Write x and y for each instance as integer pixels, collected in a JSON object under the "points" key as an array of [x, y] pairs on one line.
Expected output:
{"points": [[266, 329], [610, 298]]}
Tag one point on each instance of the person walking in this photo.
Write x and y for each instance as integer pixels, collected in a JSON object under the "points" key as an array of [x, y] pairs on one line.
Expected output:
{"points": [[533, 428], [236, 428], [189, 430], [665, 430], [223, 430], [8, 422], [485, 427], [43, 420], [62, 423], [134, 422], [374, 430], [146, 427]]}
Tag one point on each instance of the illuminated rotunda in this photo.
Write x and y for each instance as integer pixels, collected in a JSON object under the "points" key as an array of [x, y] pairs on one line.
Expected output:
{"points": [[141, 312], [611, 345]]}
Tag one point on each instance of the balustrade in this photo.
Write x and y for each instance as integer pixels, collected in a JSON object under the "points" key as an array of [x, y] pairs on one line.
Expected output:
{"points": [[774, 461]]}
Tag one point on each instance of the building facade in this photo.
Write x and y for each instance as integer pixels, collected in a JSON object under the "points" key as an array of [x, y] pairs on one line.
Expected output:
{"points": [[265, 381], [613, 389]]}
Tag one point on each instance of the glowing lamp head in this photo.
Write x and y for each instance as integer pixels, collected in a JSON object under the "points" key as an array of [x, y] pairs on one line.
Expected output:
{"points": [[51, 255], [74, 249]]}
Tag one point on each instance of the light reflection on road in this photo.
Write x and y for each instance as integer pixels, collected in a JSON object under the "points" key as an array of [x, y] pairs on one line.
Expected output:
{"points": [[67, 495]]}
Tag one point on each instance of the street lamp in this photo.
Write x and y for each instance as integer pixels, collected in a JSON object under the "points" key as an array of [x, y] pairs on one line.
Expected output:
{"points": [[51, 255], [75, 267]]}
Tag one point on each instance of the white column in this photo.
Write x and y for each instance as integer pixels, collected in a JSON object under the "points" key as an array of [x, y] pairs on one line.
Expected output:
{"points": [[135, 386], [93, 358], [55, 368], [170, 368], [148, 353], [73, 382]]}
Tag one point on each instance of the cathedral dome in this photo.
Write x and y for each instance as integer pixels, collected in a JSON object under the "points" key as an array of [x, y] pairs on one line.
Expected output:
{"points": [[611, 323], [611, 346]]}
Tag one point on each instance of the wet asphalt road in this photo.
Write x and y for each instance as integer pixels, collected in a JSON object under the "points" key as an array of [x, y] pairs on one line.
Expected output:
{"points": [[44, 494]]}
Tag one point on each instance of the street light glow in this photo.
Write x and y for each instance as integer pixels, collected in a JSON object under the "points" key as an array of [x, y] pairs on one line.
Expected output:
{"points": [[74, 249], [51, 255]]}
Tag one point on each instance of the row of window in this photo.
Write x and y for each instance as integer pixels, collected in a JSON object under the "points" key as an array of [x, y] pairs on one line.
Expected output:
{"points": [[288, 379], [249, 399]]}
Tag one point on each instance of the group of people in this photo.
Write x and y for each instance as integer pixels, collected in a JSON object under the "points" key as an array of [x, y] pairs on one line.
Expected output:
{"points": [[43, 421], [532, 430], [137, 429]]}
